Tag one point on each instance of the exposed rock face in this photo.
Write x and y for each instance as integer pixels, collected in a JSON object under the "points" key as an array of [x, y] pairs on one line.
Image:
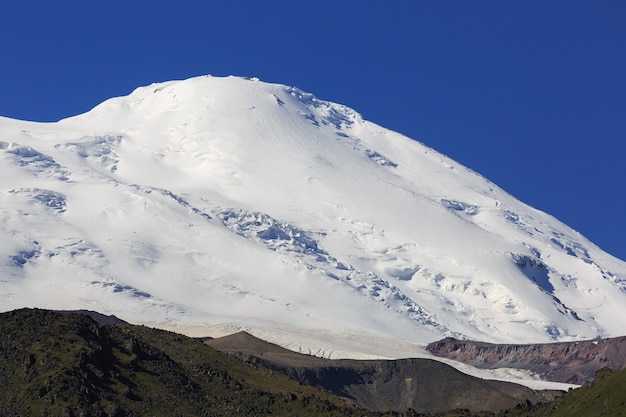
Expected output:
{"points": [[570, 362], [384, 385]]}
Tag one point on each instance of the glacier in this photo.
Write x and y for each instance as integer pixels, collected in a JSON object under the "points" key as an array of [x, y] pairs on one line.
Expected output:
{"points": [[217, 204]]}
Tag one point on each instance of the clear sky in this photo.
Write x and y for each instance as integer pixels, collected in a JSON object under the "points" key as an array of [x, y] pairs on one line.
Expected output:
{"points": [[531, 94]]}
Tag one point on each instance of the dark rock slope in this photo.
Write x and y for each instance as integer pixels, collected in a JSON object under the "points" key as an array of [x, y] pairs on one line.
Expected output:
{"points": [[570, 362], [382, 385]]}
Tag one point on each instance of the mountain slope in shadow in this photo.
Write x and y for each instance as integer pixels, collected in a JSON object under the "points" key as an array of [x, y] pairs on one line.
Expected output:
{"points": [[382, 385]]}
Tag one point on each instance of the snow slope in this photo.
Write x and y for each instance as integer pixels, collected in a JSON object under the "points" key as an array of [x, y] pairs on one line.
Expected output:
{"points": [[213, 205]]}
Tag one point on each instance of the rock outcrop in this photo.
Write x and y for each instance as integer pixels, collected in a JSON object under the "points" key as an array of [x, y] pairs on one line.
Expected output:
{"points": [[569, 362]]}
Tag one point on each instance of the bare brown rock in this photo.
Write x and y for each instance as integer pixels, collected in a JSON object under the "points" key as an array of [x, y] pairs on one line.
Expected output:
{"points": [[569, 362]]}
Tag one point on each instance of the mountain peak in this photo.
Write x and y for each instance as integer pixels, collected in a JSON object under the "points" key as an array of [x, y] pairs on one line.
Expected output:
{"points": [[234, 204], [195, 99]]}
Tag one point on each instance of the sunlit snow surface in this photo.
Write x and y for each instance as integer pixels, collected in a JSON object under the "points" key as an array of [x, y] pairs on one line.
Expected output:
{"points": [[213, 205]]}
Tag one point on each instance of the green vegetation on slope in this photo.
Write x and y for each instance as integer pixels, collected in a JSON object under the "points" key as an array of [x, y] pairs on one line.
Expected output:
{"points": [[604, 396], [61, 364]]}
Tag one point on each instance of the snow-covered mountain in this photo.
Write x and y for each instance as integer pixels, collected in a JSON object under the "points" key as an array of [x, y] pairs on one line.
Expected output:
{"points": [[212, 205]]}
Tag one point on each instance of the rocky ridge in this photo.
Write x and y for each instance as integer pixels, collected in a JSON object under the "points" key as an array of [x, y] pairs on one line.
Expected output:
{"points": [[569, 362]]}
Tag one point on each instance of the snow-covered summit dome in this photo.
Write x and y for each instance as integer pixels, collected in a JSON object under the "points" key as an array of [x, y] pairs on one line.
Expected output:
{"points": [[225, 204]]}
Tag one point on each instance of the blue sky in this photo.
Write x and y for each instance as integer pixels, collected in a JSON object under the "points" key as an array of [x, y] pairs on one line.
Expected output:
{"points": [[531, 94]]}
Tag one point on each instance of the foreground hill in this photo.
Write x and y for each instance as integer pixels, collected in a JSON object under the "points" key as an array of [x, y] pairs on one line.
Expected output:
{"points": [[65, 364], [604, 396]]}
